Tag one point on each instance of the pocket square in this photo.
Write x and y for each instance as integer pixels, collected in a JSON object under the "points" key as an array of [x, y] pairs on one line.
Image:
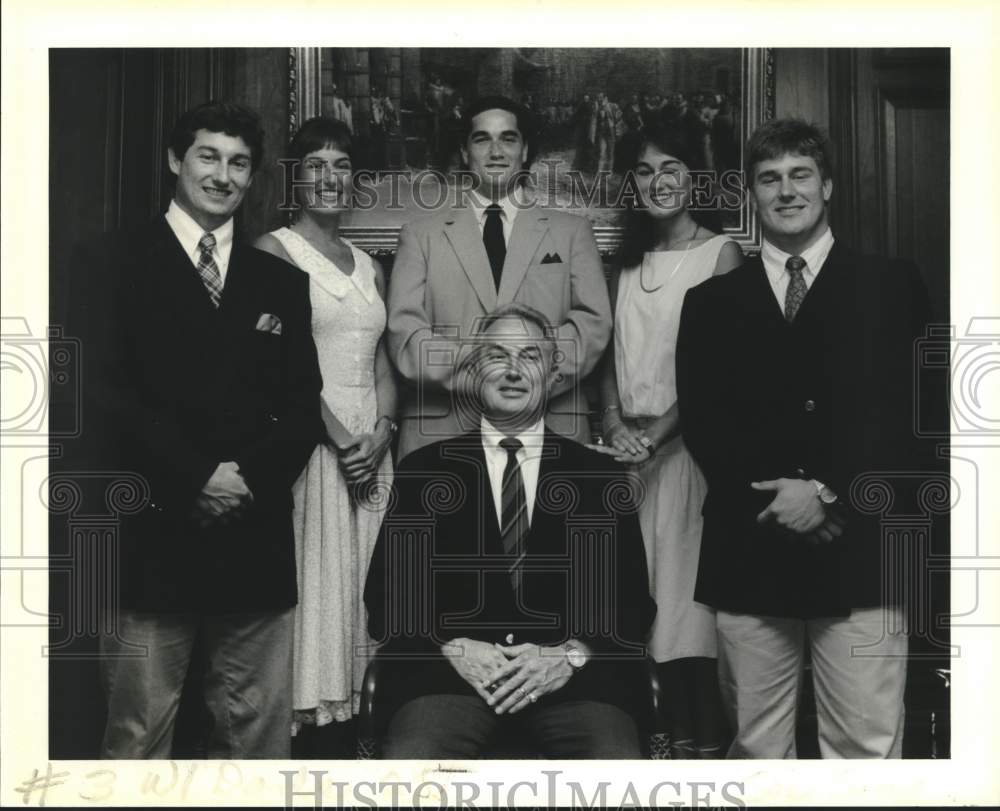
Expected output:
{"points": [[551, 259], [269, 323]]}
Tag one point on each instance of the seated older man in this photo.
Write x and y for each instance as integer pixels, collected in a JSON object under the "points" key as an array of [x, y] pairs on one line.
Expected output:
{"points": [[509, 580]]}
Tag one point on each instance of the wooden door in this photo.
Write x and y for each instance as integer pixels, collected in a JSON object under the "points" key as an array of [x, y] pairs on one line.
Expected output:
{"points": [[891, 129]]}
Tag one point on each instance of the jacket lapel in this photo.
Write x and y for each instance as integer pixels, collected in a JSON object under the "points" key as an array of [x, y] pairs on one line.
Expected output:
{"points": [[468, 460], [530, 226], [823, 287], [180, 273], [237, 282], [546, 521], [463, 234], [469, 448], [760, 295]]}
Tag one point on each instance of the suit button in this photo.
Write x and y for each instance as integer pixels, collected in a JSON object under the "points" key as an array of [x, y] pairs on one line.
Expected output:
{"points": [[810, 405], [272, 418], [509, 639], [800, 471]]}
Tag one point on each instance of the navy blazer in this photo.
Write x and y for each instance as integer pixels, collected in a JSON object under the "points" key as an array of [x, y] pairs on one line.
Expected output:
{"points": [[828, 397], [173, 386], [439, 572]]}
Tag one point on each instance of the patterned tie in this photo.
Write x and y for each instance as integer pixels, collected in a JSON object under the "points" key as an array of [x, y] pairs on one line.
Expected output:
{"points": [[496, 248], [797, 289], [514, 510], [208, 270]]}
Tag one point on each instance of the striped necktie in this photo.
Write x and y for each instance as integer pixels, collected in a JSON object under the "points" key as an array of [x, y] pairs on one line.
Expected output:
{"points": [[514, 510], [208, 270], [797, 289]]}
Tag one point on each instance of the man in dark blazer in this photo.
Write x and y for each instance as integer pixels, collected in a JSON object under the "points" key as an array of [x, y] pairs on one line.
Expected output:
{"points": [[496, 246], [795, 374], [509, 580], [200, 374]]}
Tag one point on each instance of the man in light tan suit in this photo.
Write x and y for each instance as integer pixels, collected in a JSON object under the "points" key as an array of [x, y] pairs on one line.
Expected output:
{"points": [[456, 266]]}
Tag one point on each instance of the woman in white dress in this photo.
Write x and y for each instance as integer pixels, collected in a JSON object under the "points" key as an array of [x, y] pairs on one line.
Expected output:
{"points": [[340, 496], [666, 250]]}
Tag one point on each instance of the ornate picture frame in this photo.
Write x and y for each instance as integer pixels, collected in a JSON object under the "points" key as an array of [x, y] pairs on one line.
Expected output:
{"points": [[403, 105]]}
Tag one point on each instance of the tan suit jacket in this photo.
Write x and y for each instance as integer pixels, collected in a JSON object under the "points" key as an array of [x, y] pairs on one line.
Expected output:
{"points": [[441, 284]]}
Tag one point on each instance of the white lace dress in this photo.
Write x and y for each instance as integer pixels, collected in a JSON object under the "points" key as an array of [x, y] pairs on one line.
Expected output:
{"points": [[334, 532]]}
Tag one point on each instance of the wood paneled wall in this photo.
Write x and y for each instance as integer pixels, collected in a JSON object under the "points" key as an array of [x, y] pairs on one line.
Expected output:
{"points": [[887, 112], [111, 109], [110, 114]]}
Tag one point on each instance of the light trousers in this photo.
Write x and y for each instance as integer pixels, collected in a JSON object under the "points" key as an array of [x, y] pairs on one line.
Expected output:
{"points": [[248, 682], [859, 675]]}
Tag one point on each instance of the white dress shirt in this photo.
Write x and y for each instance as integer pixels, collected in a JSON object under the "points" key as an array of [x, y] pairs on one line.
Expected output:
{"points": [[508, 211], [774, 263], [529, 457], [189, 234]]}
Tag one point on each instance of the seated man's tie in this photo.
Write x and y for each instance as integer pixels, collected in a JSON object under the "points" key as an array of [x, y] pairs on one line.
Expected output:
{"points": [[514, 510]]}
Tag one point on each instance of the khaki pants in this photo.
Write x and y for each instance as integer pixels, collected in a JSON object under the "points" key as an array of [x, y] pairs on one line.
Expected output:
{"points": [[859, 674], [248, 682]]}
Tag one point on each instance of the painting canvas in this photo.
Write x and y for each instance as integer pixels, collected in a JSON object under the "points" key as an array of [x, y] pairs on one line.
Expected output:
{"points": [[589, 108]]}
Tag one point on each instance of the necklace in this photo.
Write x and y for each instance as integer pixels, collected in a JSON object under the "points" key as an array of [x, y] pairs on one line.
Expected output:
{"points": [[642, 267], [337, 252]]}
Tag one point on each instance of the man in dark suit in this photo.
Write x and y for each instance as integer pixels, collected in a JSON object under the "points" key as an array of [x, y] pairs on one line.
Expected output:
{"points": [[200, 375], [795, 375], [509, 579]]}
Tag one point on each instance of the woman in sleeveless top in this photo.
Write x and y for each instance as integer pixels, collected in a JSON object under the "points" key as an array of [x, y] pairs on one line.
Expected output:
{"points": [[341, 495], [666, 250]]}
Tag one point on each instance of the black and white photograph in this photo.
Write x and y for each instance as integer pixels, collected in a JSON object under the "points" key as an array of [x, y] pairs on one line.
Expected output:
{"points": [[524, 408]]}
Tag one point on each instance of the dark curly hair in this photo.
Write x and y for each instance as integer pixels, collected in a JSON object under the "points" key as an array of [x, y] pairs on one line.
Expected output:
{"points": [[219, 116], [683, 142]]}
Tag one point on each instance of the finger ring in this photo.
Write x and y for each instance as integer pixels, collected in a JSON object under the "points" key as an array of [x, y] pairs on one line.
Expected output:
{"points": [[532, 698], [520, 691]]}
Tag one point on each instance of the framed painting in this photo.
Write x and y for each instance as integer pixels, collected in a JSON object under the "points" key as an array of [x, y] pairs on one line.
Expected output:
{"points": [[590, 107]]}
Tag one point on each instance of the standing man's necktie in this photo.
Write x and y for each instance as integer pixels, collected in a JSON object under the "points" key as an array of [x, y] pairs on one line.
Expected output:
{"points": [[797, 289], [496, 248], [514, 510], [208, 270]]}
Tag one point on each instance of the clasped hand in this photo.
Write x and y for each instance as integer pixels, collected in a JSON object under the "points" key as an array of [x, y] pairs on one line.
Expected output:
{"points": [[796, 507], [224, 497], [529, 670], [361, 459], [506, 676], [475, 661]]}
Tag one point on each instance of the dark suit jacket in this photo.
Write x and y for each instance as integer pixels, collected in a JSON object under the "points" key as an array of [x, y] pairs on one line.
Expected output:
{"points": [[172, 387], [438, 571], [829, 397]]}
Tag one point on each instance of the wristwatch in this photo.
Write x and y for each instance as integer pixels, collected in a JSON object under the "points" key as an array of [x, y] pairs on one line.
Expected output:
{"points": [[575, 655], [826, 495]]}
